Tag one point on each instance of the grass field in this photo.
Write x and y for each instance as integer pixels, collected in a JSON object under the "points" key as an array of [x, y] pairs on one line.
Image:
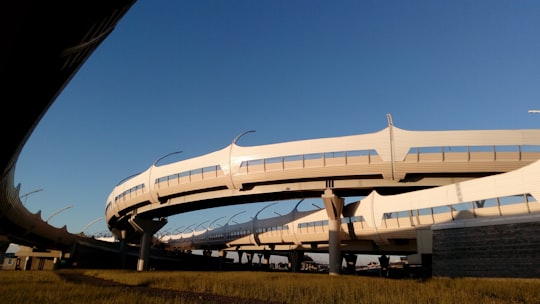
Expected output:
{"points": [[255, 287]]}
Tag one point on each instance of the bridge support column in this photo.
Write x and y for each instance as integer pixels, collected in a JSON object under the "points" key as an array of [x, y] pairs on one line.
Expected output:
{"points": [[147, 227], [384, 261], [123, 249], [334, 207], [266, 261], [26, 263], [295, 260], [249, 256], [222, 254], [240, 257], [350, 259]]}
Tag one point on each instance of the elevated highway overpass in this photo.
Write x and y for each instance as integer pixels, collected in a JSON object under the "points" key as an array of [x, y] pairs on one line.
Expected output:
{"points": [[415, 183], [390, 161], [427, 169], [399, 224]]}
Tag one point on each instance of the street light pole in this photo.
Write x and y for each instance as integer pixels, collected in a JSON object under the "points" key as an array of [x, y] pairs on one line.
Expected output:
{"points": [[91, 223], [164, 156], [230, 154], [188, 227], [177, 230], [25, 196], [58, 211], [195, 229], [154, 164], [209, 225]]}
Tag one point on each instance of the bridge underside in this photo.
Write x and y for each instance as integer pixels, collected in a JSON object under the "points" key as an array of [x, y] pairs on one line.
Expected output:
{"points": [[44, 43]]}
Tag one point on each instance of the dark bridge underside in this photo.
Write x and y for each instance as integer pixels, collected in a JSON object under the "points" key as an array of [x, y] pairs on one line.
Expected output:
{"points": [[44, 43]]}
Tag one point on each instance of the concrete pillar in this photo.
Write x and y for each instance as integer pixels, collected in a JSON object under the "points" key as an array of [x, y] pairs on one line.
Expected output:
{"points": [[222, 254], [350, 260], [26, 262], [384, 261], [266, 261], [123, 249], [334, 207], [144, 255], [295, 260], [240, 256], [148, 227]]}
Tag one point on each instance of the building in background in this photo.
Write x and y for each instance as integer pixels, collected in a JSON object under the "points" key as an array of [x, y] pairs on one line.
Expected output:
{"points": [[27, 258]]}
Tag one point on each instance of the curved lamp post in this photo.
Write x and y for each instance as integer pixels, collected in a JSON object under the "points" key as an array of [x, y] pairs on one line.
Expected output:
{"points": [[195, 229], [187, 229], [230, 153], [226, 225], [91, 223], [230, 218], [150, 185], [254, 224], [25, 196], [177, 230], [56, 212], [256, 215], [209, 225], [165, 156], [164, 233]]}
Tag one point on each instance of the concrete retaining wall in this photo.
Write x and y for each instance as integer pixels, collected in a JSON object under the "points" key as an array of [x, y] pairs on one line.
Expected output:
{"points": [[505, 250]]}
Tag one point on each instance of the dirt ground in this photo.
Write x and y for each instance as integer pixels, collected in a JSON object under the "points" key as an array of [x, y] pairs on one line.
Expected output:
{"points": [[192, 297]]}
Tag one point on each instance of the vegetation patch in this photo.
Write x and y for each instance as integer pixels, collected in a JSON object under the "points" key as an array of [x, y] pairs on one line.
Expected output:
{"points": [[126, 286]]}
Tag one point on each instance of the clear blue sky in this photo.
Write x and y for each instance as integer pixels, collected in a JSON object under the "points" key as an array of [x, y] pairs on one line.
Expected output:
{"points": [[191, 75]]}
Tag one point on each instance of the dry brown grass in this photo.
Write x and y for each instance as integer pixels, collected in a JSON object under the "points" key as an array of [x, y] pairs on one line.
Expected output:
{"points": [[49, 287]]}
